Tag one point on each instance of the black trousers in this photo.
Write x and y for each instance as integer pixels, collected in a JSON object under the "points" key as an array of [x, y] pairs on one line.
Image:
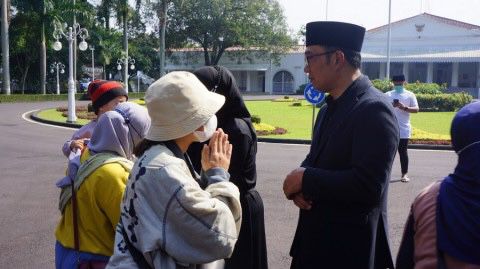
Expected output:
{"points": [[402, 151]]}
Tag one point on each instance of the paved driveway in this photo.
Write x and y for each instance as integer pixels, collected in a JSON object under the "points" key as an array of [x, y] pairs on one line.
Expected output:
{"points": [[31, 161]]}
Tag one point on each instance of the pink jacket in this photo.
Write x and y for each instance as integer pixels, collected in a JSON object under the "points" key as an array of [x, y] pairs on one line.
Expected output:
{"points": [[424, 235]]}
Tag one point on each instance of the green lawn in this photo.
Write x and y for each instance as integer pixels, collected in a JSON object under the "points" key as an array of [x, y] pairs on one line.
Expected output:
{"points": [[433, 122], [54, 115], [298, 120]]}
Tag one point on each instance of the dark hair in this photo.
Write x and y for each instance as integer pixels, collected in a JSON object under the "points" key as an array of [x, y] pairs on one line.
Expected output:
{"points": [[354, 58], [143, 146]]}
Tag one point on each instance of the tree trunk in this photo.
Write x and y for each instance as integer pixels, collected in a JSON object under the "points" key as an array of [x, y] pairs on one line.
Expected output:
{"points": [[163, 24], [5, 48], [206, 56], [219, 55], [24, 78], [43, 54]]}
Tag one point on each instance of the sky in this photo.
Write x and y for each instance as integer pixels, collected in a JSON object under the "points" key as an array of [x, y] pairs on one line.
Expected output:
{"points": [[374, 13]]}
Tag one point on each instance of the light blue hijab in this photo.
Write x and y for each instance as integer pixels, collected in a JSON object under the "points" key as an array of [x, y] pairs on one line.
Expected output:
{"points": [[120, 130]]}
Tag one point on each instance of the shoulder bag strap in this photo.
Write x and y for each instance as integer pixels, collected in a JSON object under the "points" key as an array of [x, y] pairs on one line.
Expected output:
{"points": [[76, 240]]}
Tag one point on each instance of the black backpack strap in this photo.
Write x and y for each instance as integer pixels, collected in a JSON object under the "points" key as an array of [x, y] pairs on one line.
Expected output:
{"points": [[136, 255]]}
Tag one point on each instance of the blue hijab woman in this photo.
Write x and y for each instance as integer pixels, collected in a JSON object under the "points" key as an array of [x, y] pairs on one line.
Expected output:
{"points": [[443, 228], [458, 209]]}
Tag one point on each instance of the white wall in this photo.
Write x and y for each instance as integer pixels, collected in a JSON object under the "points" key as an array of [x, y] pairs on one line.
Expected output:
{"points": [[437, 35], [294, 64]]}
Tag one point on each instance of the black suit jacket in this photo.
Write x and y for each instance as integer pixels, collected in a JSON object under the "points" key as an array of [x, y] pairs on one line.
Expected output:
{"points": [[347, 176]]}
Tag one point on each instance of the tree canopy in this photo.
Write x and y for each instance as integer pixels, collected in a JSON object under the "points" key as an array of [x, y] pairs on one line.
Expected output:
{"points": [[216, 25], [213, 26]]}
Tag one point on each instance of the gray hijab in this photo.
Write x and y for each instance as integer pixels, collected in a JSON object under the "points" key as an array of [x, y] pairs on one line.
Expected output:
{"points": [[119, 130]]}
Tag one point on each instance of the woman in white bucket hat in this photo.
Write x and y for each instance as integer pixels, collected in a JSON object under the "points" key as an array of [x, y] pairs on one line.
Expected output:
{"points": [[171, 219]]}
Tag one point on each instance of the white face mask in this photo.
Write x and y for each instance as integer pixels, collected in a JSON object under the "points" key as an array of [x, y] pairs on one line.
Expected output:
{"points": [[208, 130]]}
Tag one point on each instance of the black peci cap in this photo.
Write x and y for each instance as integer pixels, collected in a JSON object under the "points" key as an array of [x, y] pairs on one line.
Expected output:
{"points": [[335, 34]]}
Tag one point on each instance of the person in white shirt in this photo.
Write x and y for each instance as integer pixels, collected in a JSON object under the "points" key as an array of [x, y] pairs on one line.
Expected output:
{"points": [[404, 103]]}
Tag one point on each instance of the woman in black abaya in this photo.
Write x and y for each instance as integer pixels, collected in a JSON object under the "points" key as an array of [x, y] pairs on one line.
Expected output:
{"points": [[235, 120]]}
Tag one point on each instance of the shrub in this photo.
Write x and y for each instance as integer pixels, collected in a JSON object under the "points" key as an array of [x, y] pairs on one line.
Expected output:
{"points": [[82, 112], [425, 88], [16, 98], [382, 84], [417, 87], [443, 102], [301, 88], [139, 101], [267, 129], [289, 99], [256, 119], [297, 104]]}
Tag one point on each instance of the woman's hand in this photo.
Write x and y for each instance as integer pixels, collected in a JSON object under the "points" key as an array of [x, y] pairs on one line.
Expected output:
{"points": [[218, 152]]}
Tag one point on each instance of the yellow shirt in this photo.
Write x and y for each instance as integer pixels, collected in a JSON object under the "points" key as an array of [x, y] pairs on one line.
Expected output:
{"points": [[98, 204]]}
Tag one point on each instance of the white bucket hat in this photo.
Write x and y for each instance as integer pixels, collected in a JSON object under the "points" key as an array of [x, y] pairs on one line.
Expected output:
{"points": [[178, 104]]}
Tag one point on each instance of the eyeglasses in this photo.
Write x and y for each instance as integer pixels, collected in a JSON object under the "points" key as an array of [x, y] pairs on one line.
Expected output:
{"points": [[311, 56]]}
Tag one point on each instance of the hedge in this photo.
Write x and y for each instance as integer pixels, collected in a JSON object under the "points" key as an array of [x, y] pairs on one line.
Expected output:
{"points": [[443, 102], [16, 98], [430, 96], [416, 88]]}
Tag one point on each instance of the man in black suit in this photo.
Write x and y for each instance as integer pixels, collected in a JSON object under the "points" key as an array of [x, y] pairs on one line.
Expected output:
{"points": [[341, 187]]}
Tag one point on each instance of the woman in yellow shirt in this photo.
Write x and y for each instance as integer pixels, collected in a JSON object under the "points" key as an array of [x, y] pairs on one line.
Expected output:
{"points": [[99, 185]]}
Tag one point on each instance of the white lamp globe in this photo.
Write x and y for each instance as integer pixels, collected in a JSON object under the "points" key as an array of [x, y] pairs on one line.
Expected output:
{"points": [[83, 45], [132, 66], [57, 45], [119, 67], [62, 71]]}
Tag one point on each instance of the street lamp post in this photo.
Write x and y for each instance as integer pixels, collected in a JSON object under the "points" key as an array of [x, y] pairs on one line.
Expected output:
{"points": [[92, 48], [126, 62], [57, 34], [138, 81], [58, 66]]}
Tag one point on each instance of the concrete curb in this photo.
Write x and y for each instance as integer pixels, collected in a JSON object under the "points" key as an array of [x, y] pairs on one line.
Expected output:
{"points": [[34, 116], [307, 142]]}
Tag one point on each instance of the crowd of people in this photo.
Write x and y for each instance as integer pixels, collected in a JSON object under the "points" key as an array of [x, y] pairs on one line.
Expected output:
{"points": [[172, 185]]}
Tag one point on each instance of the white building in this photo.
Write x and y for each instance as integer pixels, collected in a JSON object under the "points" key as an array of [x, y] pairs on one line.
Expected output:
{"points": [[425, 48]]}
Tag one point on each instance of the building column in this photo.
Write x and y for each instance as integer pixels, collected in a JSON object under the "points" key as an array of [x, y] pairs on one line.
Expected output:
{"points": [[455, 74], [383, 67], [249, 88], [268, 81], [429, 72], [405, 71], [478, 77]]}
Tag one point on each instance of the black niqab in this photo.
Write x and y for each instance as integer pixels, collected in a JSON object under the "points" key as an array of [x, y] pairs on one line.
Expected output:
{"points": [[220, 80]]}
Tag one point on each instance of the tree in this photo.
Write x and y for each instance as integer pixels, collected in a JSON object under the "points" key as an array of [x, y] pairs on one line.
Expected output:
{"points": [[39, 7], [161, 8], [5, 47], [33, 14], [215, 25], [24, 34]]}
